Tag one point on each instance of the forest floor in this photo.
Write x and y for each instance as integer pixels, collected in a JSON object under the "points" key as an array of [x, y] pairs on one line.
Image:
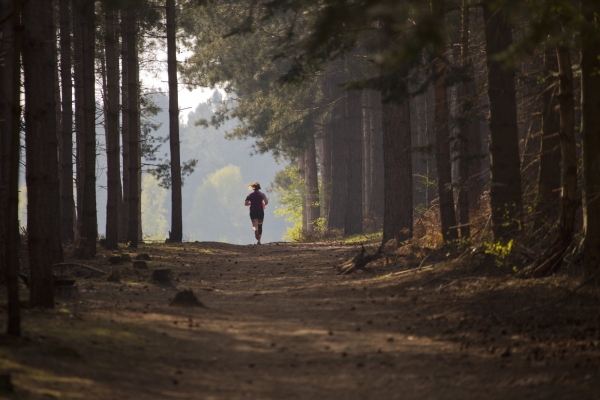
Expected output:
{"points": [[279, 322]]}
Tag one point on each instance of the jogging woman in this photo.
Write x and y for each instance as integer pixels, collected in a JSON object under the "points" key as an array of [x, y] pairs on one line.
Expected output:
{"points": [[257, 202]]}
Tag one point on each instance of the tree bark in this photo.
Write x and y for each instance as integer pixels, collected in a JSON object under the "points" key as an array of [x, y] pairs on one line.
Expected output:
{"points": [[505, 175], [124, 227], [66, 151], [590, 134], [176, 234], [112, 131], [442, 141], [134, 129], [354, 144], [326, 166], [7, 50], [39, 118], [465, 99], [302, 177], [311, 183], [79, 114], [90, 223], [55, 145], [337, 201], [474, 187], [377, 178], [397, 166], [10, 118], [432, 176], [549, 168], [367, 116], [552, 259]]}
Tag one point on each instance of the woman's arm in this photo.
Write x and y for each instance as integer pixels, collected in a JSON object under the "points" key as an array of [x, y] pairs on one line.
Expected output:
{"points": [[247, 203]]}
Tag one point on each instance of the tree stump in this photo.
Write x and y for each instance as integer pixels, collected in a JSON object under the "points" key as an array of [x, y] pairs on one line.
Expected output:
{"points": [[143, 256], [163, 276], [185, 298], [125, 257], [6, 385], [115, 259], [140, 264], [113, 276], [66, 292]]}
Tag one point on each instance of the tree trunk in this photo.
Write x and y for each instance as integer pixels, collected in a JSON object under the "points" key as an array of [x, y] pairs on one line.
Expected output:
{"points": [[590, 134], [337, 201], [113, 173], [377, 190], [7, 50], [90, 223], [54, 146], [505, 175], [311, 183], [474, 187], [552, 259], [465, 99], [79, 114], [432, 176], [397, 166], [442, 140], [66, 151], [354, 144], [39, 118], [367, 116], [139, 149], [549, 167], [10, 118], [176, 234], [326, 167], [124, 227], [134, 131], [302, 177]]}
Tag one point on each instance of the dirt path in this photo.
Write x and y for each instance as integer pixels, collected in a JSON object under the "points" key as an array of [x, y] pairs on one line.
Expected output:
{"points": [[279, 323]]}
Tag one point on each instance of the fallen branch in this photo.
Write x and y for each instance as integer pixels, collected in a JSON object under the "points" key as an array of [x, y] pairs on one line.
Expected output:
{"points": [[358, 261]]}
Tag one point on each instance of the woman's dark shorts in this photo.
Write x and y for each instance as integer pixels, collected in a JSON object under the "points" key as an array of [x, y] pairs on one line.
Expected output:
{"points": [[257, 214]]}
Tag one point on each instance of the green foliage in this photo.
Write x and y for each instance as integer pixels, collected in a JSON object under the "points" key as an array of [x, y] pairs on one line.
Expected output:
{"points": [[289, 189], [499, 250]]}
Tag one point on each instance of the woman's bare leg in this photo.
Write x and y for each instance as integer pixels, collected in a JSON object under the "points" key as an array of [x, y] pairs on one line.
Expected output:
{"points": [[259, 231]]}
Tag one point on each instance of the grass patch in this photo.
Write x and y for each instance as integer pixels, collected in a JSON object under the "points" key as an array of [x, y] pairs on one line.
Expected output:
{"points": [[364, 238]]}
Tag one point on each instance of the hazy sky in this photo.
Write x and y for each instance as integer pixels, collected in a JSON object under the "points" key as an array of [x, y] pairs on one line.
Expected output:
{"points": [[188, 100]]}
